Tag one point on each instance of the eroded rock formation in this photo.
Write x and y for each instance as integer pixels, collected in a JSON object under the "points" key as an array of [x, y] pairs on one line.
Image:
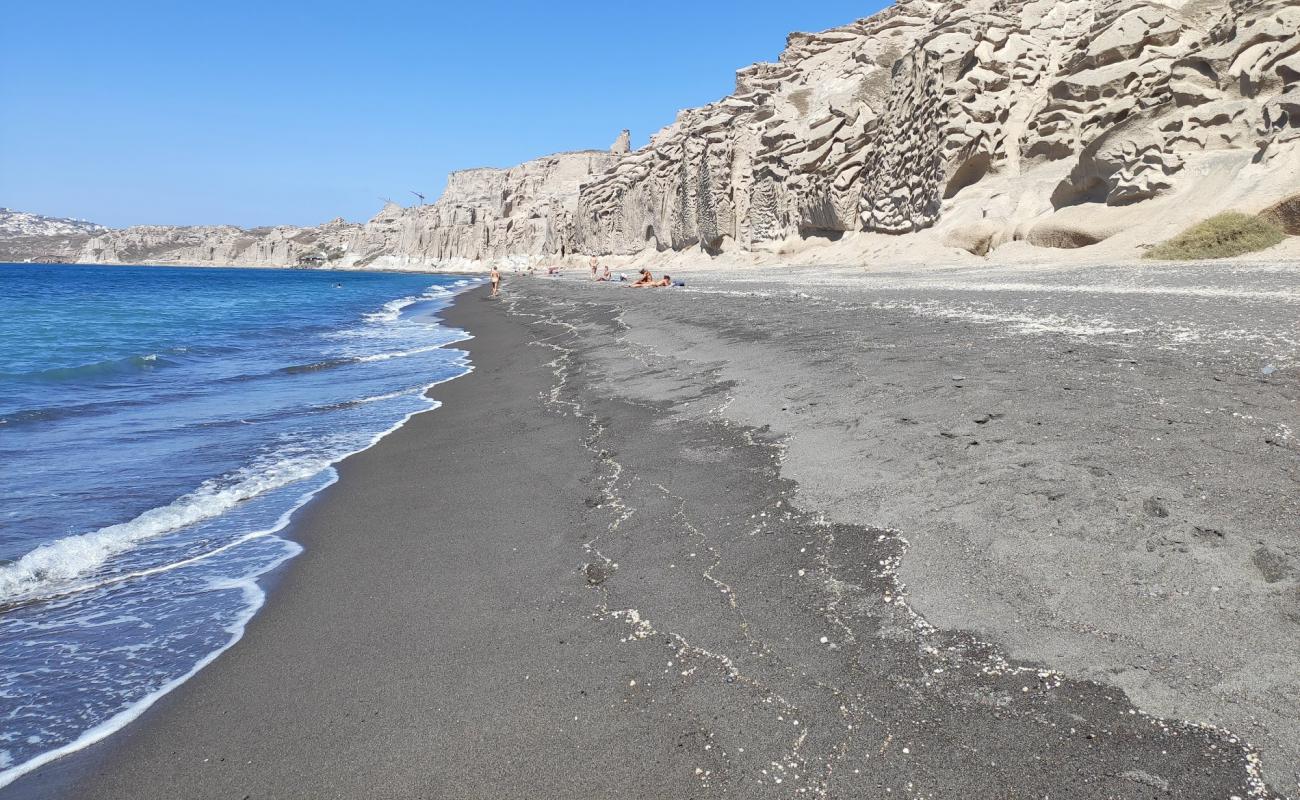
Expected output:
{"points": [[1062, 123], [883, 124], [485, 214]]}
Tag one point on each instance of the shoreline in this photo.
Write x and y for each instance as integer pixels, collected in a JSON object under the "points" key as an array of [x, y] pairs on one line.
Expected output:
{"points": [[260, 267], [81, 773], [255, 587], [681, 553]]}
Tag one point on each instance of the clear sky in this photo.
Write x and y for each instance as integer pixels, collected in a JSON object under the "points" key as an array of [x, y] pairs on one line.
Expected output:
{"points": [[270, 112]]}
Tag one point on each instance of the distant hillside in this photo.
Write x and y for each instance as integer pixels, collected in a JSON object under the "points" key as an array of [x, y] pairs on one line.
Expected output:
{"points": [[517, 214], [22, 223], [34, 237]]}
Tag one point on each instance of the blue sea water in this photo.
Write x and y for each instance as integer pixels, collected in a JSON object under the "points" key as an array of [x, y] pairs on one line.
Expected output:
{"points": [[158, 426]]}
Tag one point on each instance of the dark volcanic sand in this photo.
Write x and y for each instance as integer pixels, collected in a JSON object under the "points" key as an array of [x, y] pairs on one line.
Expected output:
{"points": [[580, 578]]}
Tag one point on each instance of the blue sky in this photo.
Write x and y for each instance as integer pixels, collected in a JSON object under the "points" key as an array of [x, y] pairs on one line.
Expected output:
{"points": [[255, 113]]}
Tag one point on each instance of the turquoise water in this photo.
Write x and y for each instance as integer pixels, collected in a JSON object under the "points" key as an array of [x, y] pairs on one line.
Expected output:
{"points": [[157, 428]]}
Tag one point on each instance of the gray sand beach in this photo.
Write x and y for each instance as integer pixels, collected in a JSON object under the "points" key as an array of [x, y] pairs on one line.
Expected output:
{"points": [[954, 534]]}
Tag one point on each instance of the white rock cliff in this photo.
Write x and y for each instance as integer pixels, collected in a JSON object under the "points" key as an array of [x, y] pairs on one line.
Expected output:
{"points": [[485, 215], [930, 128], [1030, 120]]}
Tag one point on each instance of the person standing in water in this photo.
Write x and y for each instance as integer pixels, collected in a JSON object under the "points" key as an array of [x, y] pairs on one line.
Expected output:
{"points": [[495, 277]]}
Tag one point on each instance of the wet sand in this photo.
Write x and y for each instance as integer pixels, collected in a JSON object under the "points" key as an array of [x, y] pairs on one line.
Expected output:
{"points": [[590, 573]]}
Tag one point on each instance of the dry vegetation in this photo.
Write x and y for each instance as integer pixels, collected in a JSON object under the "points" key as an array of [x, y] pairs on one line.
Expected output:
{"points": [[1228, 234]]}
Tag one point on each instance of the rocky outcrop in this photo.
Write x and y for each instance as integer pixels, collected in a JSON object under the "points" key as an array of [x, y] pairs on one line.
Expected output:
{"points": [[223, 245], [1148, 86], [885, 125], [485, 214]]}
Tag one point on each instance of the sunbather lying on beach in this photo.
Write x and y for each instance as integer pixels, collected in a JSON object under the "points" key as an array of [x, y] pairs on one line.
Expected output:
{"points": [[652, 283]]}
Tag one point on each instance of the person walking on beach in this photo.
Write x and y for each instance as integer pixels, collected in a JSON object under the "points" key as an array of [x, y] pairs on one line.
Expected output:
{"points": [[495, 277], [593, 269]]}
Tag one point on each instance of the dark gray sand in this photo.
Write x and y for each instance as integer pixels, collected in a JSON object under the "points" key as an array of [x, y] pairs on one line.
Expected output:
{"points": [[589, 574], [1095, 468]]}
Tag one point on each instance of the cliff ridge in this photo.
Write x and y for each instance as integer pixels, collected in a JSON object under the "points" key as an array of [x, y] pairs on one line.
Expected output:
{"points": [[929, 131]]}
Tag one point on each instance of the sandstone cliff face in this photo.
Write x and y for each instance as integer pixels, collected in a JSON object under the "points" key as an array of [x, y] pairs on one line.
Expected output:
{"points": [[485, 214], [884, 125]]}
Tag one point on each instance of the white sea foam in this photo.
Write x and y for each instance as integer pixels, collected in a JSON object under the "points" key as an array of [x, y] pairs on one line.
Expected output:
{"points": [[52, 566], [255, 598], [379, 398], [415, 351], [392, 310]]}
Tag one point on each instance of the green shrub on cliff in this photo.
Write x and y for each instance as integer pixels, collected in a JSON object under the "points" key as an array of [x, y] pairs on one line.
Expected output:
{"points": [[1228, 234]]}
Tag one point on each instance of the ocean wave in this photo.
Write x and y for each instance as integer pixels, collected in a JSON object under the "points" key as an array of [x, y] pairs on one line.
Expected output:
{"points": [[26, 416], [52, 567], [414, 351], [18, 417], [55, 567], [379, 398], [334, 363], [130, 365], [392, 310], [317, 366], [447, 338], [358, 341]]}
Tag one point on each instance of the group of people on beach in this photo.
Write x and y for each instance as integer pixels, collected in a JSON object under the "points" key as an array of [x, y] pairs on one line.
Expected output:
{"points": [[644, 278]]}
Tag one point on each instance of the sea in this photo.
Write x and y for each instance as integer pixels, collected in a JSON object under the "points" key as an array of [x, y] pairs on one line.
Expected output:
{"points": [[158, 428]]}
